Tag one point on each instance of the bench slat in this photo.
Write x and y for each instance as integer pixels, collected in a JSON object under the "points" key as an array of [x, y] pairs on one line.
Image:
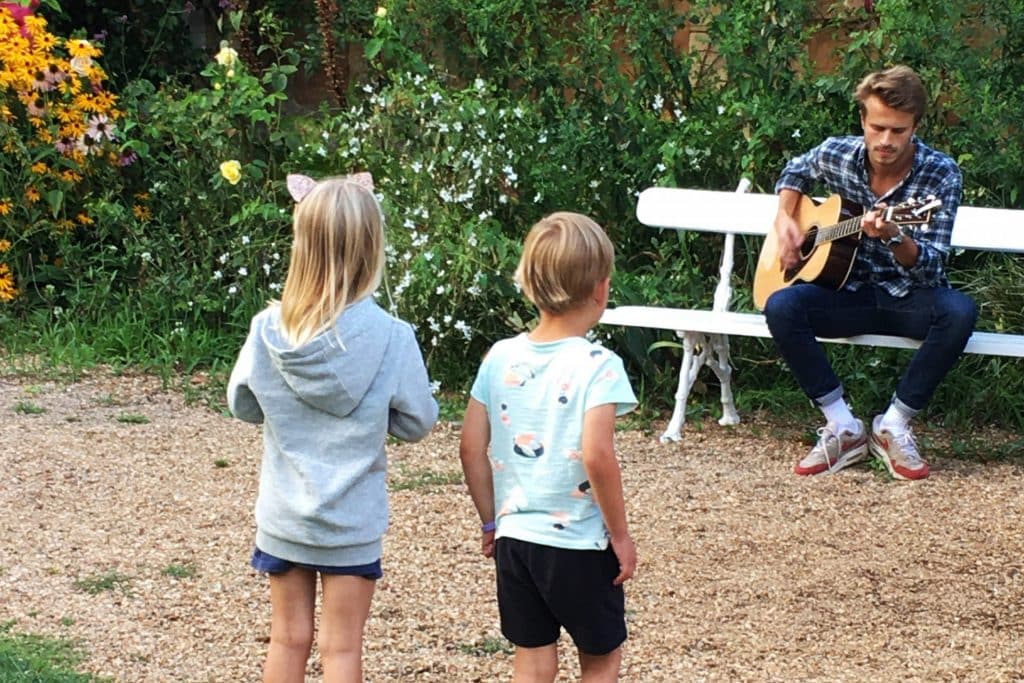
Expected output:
{"points": [[753, 325], [752, 214]]}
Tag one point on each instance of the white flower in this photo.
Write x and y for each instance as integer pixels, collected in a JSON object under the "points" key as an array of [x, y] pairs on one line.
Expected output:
{"points": [[367, 88], [471, 240], [232, 290], [227, 56], [435, 386], [542, 138], [660, 168], [796, 133], [217, 275], [594, 184], [435, 97], [321, 151], [462, 327], [439, 290], [243, 271], [146, 256], [479, 84], [447, 320], [224, 258], [245, 239], [275, 256], [721, 110], [428, 255], [518, 112], [276, 286], [659, 103], [266, 269], [416, 167]]}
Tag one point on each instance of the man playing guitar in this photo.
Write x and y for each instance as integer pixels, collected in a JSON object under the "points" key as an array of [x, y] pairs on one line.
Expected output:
{"points": [[897, 283]]}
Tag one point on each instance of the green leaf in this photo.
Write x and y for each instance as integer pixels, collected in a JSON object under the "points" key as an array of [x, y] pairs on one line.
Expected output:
{"points": [[372, 48], [55, 198]]}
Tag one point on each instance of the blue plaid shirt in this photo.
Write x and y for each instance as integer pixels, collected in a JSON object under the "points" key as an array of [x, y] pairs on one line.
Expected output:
{"points": [[840, 164]]}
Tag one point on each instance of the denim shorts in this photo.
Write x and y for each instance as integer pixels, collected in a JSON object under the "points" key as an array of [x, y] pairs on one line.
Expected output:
{"points": [[265, 562]]}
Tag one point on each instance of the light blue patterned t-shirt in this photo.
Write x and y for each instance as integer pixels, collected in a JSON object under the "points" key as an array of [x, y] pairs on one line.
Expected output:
{"points": [[536, 395]]}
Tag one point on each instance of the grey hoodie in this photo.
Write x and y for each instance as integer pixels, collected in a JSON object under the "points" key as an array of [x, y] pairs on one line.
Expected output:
{"points": [[326, 409]]}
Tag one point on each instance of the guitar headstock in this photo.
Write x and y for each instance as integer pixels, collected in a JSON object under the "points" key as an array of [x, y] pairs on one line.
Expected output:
{"points": [[912, 212]]}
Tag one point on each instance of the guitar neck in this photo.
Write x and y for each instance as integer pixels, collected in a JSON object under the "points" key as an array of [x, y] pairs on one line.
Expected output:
{"points": [[838, 231]]}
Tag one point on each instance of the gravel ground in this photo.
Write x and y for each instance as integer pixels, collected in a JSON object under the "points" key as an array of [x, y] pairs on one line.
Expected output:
{"points": [[126, 525]]}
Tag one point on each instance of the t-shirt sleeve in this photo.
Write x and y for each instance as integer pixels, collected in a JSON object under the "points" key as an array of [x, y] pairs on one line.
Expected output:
{"points": [[610, 384], [481, 390]]}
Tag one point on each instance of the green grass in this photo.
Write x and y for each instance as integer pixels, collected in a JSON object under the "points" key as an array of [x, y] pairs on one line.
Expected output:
{"points": [[180, 571], [35, 659], [28, 408], [133, 419], [409, 480], [221, 463], [487, 647], [109, 581]]}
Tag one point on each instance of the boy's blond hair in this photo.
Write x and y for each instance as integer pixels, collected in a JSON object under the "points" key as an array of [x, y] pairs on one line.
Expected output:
{"points": [[565, 256], [337, 256]]}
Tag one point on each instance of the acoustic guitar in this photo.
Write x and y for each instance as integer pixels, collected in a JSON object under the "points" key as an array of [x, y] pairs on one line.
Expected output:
{"points": [[830, 245]]}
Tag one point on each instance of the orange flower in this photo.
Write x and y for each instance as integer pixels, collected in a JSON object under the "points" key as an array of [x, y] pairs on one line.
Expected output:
{"points": [[5, 246], [5, 208], [84, 219], [142, 212], [40, 167], [32, 195]]}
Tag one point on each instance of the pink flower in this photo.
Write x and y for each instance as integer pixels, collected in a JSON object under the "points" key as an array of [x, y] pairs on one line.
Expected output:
{"points": [[65, 145], [99, 128], [37, 107]]}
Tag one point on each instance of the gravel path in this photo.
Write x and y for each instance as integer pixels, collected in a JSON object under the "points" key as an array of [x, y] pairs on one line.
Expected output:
{"points": [[125, 524]]}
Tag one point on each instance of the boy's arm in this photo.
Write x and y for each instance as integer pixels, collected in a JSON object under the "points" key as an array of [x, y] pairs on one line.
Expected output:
{"points": [[476, 437], [606, 483]]}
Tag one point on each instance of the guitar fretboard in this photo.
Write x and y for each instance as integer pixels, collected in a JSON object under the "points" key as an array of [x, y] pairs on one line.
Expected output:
{"points": [[838, 231]]}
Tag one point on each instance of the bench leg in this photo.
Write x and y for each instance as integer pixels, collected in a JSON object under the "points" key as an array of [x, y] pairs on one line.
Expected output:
{"points": [[688, 369], [723, 369]]}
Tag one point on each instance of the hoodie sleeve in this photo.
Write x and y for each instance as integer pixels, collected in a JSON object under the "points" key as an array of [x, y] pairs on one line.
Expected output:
{"points": [[413, 408], [241, 401]]}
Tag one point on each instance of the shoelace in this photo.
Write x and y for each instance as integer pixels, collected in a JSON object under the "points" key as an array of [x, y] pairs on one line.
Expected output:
{"points": [[824, 435], [908, 445]]}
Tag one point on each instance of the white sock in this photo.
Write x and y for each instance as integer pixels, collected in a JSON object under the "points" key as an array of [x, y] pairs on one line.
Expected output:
{"points": [[838, 415], [895, 420]]}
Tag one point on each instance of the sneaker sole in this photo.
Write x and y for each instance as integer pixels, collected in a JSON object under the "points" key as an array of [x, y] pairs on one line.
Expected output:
{"points": [[880, 453]]}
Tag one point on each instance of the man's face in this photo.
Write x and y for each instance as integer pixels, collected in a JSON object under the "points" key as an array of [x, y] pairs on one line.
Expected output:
{"points": [[887, 134]]}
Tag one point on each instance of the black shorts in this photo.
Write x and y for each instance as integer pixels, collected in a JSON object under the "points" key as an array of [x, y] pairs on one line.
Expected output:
{"points": [[542, 589]]}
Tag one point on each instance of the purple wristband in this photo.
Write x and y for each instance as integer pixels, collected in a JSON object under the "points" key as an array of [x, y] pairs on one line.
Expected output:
{"points": [[488, 527]]}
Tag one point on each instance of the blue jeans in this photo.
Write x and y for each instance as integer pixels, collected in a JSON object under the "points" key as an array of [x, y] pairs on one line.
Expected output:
{"points": [[941, 318]]}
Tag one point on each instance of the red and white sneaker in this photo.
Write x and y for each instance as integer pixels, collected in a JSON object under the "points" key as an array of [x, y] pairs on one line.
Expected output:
{"points": [[898, 451], [834, 451]]}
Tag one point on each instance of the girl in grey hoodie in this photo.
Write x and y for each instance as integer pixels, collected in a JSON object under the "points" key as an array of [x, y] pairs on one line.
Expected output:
{"points": [[329, 375]]}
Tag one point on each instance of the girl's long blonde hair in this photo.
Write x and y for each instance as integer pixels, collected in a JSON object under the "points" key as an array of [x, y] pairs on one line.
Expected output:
{"points": [[337, 257]]}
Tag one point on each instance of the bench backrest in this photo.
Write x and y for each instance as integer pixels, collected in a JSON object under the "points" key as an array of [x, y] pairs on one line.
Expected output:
{"points": [[752, 214]]}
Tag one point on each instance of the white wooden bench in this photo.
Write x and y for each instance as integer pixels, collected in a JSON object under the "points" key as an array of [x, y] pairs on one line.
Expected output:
{"points": [[705, 333]]}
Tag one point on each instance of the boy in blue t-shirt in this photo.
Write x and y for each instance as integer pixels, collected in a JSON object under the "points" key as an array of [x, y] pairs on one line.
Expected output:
{"points": [[550, 494]]}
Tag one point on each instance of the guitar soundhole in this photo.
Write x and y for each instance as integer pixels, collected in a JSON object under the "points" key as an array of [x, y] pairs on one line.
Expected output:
{"points": [[807, 247]]}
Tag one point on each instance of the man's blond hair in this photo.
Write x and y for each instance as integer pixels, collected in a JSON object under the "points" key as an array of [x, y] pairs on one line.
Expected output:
{"points": [[898, 87], [565, 256], [337, 257]]}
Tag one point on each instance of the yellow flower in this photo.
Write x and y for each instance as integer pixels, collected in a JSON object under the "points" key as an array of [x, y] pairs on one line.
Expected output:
{"points": [[227, 56], [382, 12], [40, 167], [69, 176], [82, 48], [5, 246], [142, 212], [7, 289], [232, 171], [84, 219], [144, 196], [5, 208], [32, 195]]}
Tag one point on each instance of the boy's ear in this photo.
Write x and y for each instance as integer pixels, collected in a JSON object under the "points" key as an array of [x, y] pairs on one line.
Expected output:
{"points": [[602, 290]]}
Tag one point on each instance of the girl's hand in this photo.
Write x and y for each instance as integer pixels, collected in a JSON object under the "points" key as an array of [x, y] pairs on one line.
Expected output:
{"points": [[487, 543]]}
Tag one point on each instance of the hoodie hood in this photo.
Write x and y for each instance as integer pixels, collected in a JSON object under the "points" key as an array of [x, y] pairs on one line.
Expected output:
{"points": [[334, 370]]}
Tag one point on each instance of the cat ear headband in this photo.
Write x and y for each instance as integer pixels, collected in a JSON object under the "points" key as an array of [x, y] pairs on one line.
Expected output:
{"points": [[300, 185]]}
